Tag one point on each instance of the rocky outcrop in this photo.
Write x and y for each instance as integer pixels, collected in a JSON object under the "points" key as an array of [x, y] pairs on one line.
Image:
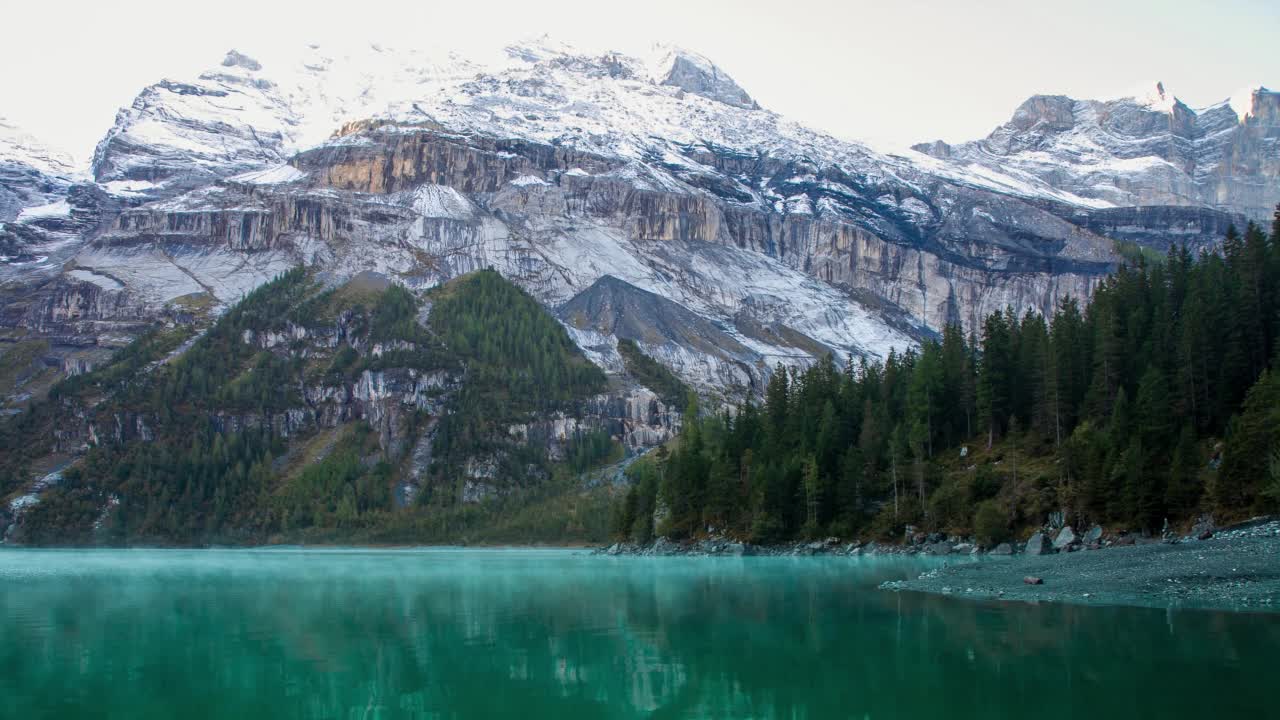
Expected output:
{"points": [[1161, 226], [82, 313], [637, 417], [694, 73]]}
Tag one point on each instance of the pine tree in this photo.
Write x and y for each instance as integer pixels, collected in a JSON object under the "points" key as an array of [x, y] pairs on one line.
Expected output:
{"points": [[1252, 437], [1070, 366], [813, 491], [995, 375], [1183, 493], [1037, 403], [1154, 438]]}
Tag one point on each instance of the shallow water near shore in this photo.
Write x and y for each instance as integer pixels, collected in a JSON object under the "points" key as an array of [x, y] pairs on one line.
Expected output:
{"points": [[299, 633]]}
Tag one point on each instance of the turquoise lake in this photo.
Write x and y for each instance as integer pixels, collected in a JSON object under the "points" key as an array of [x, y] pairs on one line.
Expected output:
{"points": [[284, 633]]}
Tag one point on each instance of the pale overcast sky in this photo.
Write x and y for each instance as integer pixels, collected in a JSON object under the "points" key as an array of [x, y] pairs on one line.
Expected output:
{"points": [[890, 71]]}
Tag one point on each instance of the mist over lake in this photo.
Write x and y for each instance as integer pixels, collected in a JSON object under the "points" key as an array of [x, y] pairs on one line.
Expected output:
{"points": [[303, 633]]}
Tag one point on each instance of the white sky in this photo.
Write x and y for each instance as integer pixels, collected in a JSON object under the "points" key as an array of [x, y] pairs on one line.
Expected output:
{"points": [[889, 71]]}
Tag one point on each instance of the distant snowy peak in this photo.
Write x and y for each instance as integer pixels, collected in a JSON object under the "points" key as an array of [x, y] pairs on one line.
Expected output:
{"points": [[1251, 101], [18, 146], [1146, 147], [664, 65], [695, 73], [31, 176], [1157, 98], [235, 58], [1152, 96], [254, 110]]}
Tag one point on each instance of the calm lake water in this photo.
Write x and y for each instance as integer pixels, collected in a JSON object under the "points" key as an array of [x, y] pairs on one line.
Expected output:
{"points": [[558, 634]]}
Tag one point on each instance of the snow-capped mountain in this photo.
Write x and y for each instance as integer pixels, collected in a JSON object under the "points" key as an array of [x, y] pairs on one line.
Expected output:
{"points": [[613, 188], [241, 115], [31, 175], [1148, 149]]}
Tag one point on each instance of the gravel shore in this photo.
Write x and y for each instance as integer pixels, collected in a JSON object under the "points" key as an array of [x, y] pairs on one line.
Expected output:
{"points": [[1235, 570]]}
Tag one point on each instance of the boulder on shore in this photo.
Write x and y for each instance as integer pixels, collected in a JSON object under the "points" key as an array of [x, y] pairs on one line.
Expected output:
{"points": [[1094, 536], [1066, 537], [1002, 549], [663, 546], [1038, 545]]}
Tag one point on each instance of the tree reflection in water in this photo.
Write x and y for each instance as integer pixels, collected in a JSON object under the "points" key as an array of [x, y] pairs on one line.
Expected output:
{"points": [[551, 634]]}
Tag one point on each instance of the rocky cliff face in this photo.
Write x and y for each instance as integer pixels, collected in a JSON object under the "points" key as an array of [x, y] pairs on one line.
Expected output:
{"points": [[655, 187], [1146, 150]]}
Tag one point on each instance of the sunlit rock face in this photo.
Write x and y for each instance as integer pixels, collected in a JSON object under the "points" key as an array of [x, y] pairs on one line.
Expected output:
{"points": [[657, 186]]}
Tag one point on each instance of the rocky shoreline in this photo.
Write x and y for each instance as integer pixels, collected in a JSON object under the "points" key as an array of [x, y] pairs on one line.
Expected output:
{"points": [[1048, 541], [1231, 568]]}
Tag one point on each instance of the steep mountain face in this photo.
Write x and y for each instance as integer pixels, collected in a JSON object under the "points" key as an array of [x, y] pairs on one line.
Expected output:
{"points": [[557, 169], [652, 181], [1146, 150]]}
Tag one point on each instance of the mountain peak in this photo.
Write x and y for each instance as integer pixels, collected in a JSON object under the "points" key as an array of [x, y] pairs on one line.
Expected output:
{"points": [[695, 73], [539, 48], [18, 146], [1155, 96], [1246, 101], [235, 58]]}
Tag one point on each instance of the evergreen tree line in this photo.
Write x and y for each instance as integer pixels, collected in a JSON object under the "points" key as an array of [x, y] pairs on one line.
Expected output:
{"points": [[1158, 401], [517, 361]]}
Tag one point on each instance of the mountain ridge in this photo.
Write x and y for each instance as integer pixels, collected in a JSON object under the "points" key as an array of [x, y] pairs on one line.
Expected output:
{"points": [[1145, 149], [557, 167]]}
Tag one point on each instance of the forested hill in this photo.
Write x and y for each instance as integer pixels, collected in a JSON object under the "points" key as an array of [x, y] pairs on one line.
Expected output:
{"points": [[1157, 402], [366, 413], [357, 413]]}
